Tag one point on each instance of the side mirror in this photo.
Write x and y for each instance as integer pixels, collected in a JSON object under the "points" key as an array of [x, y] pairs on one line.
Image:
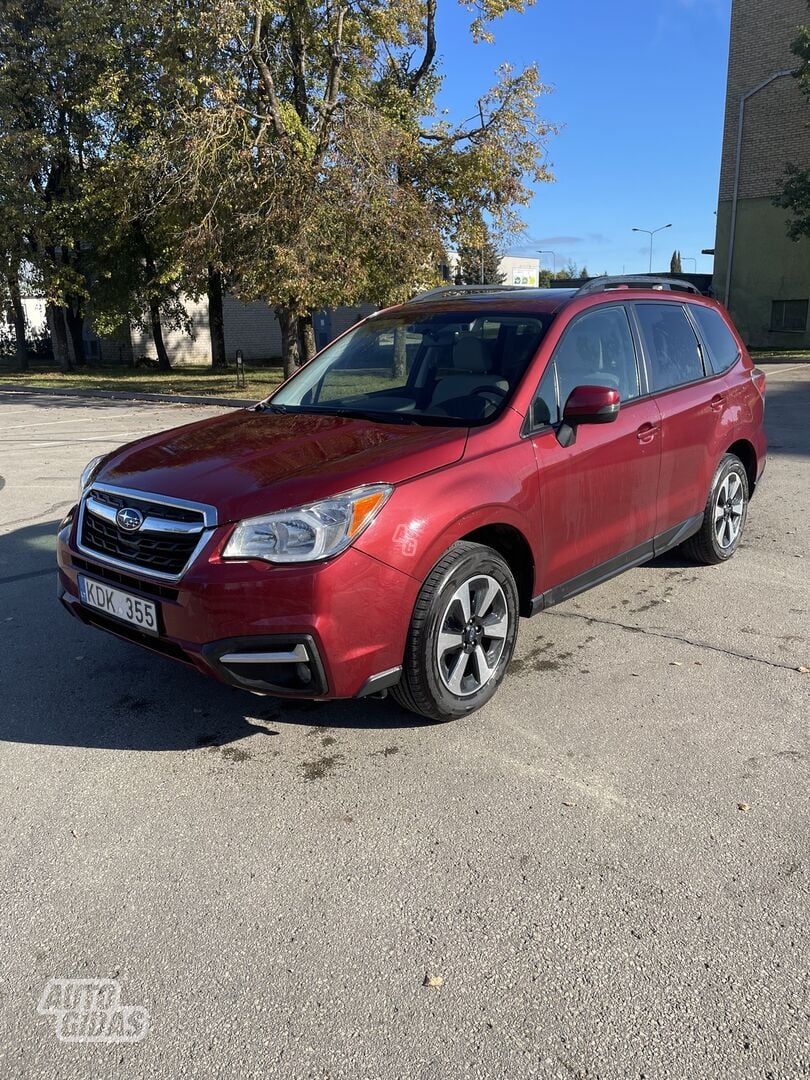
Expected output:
{"points": [[591, 405]]}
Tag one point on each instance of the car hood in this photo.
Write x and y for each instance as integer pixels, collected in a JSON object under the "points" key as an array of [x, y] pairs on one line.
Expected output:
{"points": [[246, 463]]}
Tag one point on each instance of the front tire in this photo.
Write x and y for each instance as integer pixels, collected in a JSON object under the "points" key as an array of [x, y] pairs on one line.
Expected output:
{"points": [[724, 517], [462, 634]]}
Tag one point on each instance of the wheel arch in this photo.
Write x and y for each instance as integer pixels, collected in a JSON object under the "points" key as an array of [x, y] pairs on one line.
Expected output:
{"points": [[514, 548], [745, 451]]}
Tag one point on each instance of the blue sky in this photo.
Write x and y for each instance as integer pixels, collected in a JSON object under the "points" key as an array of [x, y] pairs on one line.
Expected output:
{"points": [[639, 88]]}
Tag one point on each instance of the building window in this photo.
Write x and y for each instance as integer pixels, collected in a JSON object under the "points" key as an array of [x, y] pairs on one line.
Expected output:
{"points": [[789, 316]]}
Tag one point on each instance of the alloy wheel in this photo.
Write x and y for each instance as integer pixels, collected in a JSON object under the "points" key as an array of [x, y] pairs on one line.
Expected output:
{"points": [[472, 635], [728, 510]]}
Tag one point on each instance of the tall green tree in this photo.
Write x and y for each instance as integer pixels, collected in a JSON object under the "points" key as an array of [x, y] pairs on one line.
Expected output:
{"points": [[675, 263], [480, 264], [155, 148], [52, 54], [321, 168], [568, 272]]}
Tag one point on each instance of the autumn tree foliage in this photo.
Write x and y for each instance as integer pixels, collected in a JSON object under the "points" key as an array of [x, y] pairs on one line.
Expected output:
{"points": [[289, 152]]}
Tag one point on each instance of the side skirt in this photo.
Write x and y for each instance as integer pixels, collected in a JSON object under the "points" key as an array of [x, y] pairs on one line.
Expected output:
{"points": [[642, 553]]}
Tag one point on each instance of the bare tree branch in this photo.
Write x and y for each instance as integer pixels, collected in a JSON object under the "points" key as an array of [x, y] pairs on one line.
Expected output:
{"points": [[416, 77], [265, 75], [330, 99]]}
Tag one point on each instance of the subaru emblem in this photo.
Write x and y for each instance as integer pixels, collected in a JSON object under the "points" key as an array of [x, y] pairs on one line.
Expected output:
{"points": [[128, 519]]}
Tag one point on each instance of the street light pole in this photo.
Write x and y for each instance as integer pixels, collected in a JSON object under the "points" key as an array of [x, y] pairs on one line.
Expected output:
{"points": [[744, 99], [651, 233], [691, 259], [553, 254]]}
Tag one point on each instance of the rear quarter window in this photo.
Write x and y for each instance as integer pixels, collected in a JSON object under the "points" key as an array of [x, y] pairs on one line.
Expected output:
{"points": [[722, 348]]}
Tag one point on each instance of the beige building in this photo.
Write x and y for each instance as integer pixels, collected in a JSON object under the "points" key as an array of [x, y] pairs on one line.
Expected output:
{"points": [[767, 126], [252, 329]]}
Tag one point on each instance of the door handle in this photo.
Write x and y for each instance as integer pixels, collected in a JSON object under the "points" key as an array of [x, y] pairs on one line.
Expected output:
{"points": [[647, 432], [717, 402]]}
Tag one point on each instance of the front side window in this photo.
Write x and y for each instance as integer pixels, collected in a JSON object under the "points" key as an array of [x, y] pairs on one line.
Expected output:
{"points": [[598, 350], [723, 349], [672, 348], [441, 368]]}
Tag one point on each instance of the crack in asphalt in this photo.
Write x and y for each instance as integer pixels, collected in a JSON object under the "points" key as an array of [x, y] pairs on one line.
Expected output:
{"points": [[30, 574], [651, 632], [38, 517]]}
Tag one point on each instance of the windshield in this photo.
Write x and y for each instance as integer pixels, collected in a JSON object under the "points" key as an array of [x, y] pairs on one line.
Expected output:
{"points": [[442, 368]]}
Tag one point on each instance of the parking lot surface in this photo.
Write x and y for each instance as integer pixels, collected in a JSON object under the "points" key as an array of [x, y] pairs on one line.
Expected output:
{"points": [[605, 873]]}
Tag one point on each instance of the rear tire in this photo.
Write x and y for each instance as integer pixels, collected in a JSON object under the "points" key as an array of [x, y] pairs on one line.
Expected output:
{"points": [[724, 517], [462, 634]]}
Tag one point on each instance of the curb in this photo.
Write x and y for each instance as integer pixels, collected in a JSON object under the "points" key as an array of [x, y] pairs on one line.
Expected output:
{"points": [[120, 395]]}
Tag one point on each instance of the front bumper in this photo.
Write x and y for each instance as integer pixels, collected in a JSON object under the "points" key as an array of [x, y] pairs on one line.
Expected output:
{"points": [[325, 630]]}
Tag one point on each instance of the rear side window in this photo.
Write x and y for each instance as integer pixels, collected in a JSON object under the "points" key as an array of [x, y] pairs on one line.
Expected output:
{"points": [[672, 348], [723, 349]]}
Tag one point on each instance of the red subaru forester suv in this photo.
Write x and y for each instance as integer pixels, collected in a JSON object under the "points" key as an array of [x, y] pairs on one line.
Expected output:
{"points": [[383, 520]]}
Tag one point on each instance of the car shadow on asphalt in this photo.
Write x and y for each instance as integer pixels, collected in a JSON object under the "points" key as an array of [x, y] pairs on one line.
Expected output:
{"points": [[63, 683]]}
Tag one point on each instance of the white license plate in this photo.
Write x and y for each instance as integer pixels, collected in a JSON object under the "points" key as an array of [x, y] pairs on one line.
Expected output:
{"points": [[122, 605]]}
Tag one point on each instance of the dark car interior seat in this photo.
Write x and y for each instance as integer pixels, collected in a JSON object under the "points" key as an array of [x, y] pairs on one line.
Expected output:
{"points": [[471, 370]]}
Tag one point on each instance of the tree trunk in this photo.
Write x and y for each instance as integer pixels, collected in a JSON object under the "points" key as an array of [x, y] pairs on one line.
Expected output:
{"points": [[216, 318], [290, 353], [157, 336], [20, 340], [75, 325], [154, 304], [400, 366], [306, 337], [56, 324]]}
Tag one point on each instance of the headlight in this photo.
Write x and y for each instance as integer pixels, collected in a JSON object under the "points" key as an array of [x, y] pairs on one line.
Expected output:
{"points": [[88, 474], [308, 533]]}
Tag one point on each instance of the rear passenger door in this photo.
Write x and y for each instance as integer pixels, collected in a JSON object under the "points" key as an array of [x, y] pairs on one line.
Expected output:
{"points": [[692, 408]]}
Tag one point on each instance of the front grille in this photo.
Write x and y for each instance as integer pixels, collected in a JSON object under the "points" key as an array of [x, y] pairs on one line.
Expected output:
{"points": [[164, 552], [148, 508], [150, 588]]}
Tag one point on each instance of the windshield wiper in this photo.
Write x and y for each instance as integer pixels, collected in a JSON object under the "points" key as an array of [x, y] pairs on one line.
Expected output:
{"points": [[370, 414], [350, 414]]}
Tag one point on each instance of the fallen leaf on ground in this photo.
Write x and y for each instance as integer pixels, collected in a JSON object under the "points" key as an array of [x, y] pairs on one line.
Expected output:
{"points": [[804, 670], [676, 663], [743, 806], [433, 980]]}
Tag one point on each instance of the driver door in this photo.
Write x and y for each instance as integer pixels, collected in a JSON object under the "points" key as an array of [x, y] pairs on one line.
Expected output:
{"points": [[598, 495]]}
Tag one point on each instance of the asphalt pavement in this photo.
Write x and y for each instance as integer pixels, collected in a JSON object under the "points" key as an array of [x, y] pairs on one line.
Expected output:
{"points": [[605, 873]]}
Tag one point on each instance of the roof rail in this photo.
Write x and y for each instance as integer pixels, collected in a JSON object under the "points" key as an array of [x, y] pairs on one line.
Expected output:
{"points": [[449, 291], [636, 281]]}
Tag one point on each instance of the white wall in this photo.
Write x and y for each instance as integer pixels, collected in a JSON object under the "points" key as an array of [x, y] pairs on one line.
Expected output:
{"points": [[520, 270], [181, 347], [253, 328]]}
